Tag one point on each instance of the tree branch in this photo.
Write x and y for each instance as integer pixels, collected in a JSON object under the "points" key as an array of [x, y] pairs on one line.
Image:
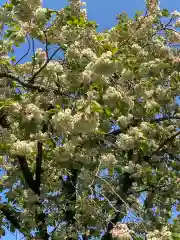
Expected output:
{"points": [[10, 217], [41, 222], [24, 84], [28, 176], [69, 187], [28, 50], [166, 142], [34, 185], [43, 66], [127, 182], [39, 165], [119, 131]]}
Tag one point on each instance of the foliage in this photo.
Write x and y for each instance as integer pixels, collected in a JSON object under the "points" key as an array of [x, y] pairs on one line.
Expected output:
{"points": [[89, 126]]}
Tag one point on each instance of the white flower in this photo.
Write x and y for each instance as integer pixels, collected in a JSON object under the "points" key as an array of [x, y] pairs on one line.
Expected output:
{"points": [[112, 95], [145, 126], [33, 112], [121, 232], [108, 160], [130, 168], [125, 142], [22, 148], [55, 66], [85, 122], [40, 14], [177, 23], [127, 74], [150, 105], [149, 93], [136, 48], [175, 37], [104, 65], [73, 51], [41, 56], [87, 52], [123, 121], [84, 12], [19, 37], [63, 120], [16, 108], [175, 14], [64, 153]]}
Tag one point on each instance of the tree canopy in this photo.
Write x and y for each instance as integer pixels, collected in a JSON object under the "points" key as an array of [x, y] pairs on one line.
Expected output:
{"points": [[89, 124]]}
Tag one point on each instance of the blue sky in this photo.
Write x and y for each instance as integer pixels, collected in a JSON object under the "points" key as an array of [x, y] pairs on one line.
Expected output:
{"points": [[104, 13]]}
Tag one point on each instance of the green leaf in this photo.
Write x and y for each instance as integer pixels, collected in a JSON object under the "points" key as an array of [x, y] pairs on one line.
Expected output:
{"points": [[137, 15], [107, 112], [8, 6], [176, 236], [96, 107], [165, 12], [13, 59]]}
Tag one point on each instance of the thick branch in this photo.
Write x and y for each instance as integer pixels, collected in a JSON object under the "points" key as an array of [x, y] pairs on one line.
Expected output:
{"points": [[34, 185], [10, 217], [39, 165], [85, 237], [40, 220], [24, 84], [28, 176]]}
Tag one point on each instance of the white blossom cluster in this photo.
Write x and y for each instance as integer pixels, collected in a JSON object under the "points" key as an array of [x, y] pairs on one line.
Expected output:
{"points": [[108, 160], [121, 232], [30, 112], [165, 234], [104, 65], [78, 123], [41, 56], [23, 148]]}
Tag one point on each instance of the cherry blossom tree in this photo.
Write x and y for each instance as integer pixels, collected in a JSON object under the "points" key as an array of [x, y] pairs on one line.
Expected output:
{"points": [[89, 124]]}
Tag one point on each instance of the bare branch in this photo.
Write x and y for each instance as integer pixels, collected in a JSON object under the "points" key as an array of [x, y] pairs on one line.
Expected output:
{"points": [[46, 44], [28, 50]]}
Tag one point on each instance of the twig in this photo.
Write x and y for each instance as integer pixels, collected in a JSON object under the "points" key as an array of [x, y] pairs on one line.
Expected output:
{"points": [[43, 66], [165, 142], [29, 47], [34, 56], [117, 195], [46, 44]]}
